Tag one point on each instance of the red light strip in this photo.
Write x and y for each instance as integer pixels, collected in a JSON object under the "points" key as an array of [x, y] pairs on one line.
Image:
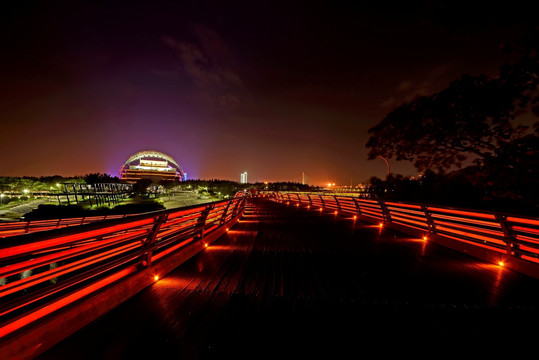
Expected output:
{"points": [[467, 220], [60, 303], [63, 255], [49, 243], [527, 239], [423, 225], [468, 235], [465, 213], [62, 270], [480, 244], [523, 221], [473, 229], [399, 205], [531, 250], [526, 230]]}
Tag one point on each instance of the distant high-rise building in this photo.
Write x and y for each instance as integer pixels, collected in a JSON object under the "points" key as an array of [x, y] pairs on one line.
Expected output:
{"points": [[243, 178]]}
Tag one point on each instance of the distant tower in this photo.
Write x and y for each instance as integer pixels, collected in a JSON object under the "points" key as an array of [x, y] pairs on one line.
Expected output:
{"points": [[184, 176], [243, 178], [302, 178]]}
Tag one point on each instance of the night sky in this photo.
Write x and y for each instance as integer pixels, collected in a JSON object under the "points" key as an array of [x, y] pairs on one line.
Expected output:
{"points": [[272, 88]]}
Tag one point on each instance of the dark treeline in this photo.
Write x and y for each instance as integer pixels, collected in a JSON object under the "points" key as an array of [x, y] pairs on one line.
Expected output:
{"points": [[465, 188], [285, 186], [227, 187]]}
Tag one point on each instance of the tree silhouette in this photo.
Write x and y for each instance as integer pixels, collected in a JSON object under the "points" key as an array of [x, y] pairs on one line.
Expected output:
{"points": [[96, 178], [471, 121]]}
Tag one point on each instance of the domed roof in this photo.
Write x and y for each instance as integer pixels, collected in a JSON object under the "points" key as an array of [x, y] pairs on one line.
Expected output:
{"points": [[151, 154]]}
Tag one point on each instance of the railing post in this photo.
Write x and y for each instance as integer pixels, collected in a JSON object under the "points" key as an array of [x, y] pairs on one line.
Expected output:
{"points": [[201, 222], [150, 240], [235, 211], [338, 204], [509, 235], [430, 221], [299, 199], [223, 217], [385, 210], [358, 208], [310, 200]]}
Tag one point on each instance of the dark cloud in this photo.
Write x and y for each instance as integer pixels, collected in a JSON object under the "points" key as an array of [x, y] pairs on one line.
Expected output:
{"points": [[206, 63]]}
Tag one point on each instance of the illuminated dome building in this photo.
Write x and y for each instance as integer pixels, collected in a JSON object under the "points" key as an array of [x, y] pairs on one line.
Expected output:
{"points": [[152, 165]]}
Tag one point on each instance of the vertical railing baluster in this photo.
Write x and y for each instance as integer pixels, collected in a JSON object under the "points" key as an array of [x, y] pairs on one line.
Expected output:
{"points": [[223, 217], [385, 210], [509, 235], [338, 204], [201, 222], [358, 208], [150, 240], [431, 226]]}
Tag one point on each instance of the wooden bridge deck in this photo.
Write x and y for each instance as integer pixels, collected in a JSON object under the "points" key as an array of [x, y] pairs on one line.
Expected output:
{"points": [[288, 282]]}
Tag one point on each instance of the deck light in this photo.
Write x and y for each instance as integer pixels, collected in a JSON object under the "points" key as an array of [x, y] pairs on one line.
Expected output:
{"points": [[156, 277]]}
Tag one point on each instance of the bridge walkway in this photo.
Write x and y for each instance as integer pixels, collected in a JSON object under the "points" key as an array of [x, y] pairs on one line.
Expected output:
{"points": [[290, 282]]}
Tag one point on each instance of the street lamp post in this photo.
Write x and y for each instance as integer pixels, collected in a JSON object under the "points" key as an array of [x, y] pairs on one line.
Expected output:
{"points": [[387, 163]]}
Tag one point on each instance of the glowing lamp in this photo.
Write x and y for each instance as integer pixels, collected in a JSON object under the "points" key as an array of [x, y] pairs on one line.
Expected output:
{"points": [[156, 277], [205, 244], [355, 217], [501, 263], [425, 237], [336, 212], [381, 225], [227, 229]]}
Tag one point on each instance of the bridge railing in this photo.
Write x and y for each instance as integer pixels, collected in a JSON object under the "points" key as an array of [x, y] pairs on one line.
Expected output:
{"points": [[14, 228], [512, 236], [44, 271]]}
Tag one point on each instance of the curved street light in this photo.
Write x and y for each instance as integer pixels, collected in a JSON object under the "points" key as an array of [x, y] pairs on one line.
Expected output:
{"points": [[387, 163]]}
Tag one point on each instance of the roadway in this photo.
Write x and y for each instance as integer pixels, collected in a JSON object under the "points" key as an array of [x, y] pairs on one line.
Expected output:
{"points": [[289, 282]]}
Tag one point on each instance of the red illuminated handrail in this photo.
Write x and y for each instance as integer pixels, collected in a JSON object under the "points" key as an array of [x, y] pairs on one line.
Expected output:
{"points": [[12, 228], [513, 235], [42, 270]]}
